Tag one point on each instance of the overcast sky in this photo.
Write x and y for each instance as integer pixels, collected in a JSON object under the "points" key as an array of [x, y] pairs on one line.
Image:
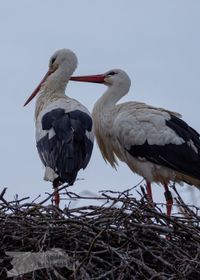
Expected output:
{"points": [[156, 42]]}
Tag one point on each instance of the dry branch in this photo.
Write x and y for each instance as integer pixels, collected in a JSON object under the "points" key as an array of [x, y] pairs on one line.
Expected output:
{"points": [[123, 238]]}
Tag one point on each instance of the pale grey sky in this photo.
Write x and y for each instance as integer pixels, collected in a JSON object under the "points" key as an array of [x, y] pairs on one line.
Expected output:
{"points": [[156, 42]]}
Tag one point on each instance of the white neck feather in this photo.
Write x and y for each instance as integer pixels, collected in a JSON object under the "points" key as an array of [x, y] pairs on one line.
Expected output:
{"points": [[45, 98], [112, 95], [53, 88]]}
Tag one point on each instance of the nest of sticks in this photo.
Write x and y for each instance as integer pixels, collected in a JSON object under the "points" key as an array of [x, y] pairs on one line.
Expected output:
{"points": [[121, 238]]}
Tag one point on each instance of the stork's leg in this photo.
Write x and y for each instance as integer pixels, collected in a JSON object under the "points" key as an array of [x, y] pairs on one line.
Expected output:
{"points": [[169, 200], [149, 192], [56, 198]]}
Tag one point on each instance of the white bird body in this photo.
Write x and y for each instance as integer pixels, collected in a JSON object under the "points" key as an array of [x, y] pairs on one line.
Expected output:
{"points": [[122, 126], [64, 134], [155, 143]]}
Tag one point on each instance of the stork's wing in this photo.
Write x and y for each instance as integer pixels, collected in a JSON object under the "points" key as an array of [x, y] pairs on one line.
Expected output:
{"points": [[160, 137], [66, 146]]}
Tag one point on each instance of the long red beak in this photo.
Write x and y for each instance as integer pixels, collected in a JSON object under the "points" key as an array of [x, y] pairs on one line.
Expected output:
{"points": [[50, 71], [89, 78]]}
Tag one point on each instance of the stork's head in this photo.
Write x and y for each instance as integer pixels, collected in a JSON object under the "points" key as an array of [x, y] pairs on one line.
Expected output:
{"points": [[113, 78], [62, 64], [64, 61]]}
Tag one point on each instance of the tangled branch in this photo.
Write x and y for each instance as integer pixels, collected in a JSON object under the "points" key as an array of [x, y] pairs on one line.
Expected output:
{"points": [[123, 238]]}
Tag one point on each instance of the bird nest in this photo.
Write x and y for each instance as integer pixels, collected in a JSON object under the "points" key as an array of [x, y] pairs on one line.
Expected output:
{"points": [[120, 238]]}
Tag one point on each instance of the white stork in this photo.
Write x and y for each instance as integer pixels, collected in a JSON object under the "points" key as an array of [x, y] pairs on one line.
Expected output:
{"points": [[155, 143], [63, 125]]}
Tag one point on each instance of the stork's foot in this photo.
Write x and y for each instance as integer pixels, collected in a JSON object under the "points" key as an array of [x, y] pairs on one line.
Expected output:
{"points": [[169, 200]]}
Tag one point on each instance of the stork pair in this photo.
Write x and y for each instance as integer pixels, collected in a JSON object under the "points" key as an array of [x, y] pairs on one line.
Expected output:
{"points": [[155, 143]]}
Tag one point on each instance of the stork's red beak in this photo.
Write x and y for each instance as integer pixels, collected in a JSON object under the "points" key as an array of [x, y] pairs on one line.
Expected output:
{"points": [[51, 70], [89, 78]]}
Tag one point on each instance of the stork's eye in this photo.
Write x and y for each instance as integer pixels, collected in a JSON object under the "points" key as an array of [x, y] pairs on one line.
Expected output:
{"points": [[53, 60], [111, 73]]}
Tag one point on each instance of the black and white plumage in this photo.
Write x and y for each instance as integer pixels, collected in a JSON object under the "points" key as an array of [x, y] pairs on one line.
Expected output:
{"points": [[65, 148], [155, 143], [64, 133]]}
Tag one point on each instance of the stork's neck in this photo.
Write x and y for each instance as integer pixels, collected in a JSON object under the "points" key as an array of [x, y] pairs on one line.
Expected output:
{"points": [[104, 108], [112, 95], [52, 89], [46, 96]]}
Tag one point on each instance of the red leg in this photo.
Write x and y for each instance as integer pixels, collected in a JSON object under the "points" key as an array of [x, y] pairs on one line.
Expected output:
{"points": [[149, 192], [56, 198], [169, 200]]}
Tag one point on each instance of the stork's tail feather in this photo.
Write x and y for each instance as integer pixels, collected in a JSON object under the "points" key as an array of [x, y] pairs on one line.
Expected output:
{"points": [[188, 179]]}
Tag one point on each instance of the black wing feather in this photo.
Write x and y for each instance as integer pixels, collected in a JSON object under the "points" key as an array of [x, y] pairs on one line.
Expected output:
{"points": [[183, 158], [69, 149]]}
